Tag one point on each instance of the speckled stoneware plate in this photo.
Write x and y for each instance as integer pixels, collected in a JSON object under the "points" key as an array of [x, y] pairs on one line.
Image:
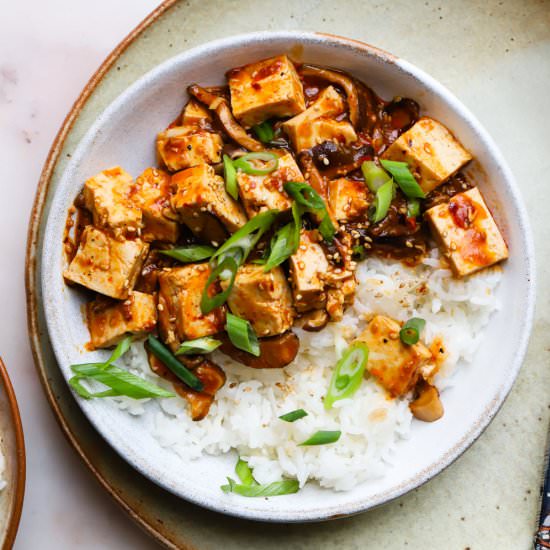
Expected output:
{"points": [[124, 134], [12, 448]]}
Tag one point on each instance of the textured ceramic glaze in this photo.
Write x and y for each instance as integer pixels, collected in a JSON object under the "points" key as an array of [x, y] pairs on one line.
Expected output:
{"points": [[124, 134]]}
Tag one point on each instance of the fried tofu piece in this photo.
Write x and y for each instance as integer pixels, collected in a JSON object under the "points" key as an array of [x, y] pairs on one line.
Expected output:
{"points": [[307, 267], [394, 365], [431, 151], [347, 199], [202, 203], [105, 264], [467, 233], [317, 123], [260, 193], [107, 197], [182, 147], [196, 115], [262, 298], [268, 88], [179, 310], [151, 192], [110, 321]]}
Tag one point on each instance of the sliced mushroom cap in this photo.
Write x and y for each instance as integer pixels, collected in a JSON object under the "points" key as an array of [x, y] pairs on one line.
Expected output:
{"points": [[314, 321], [220, 106], [427, 406], [210, 374], [275, 352], [344, 81]]}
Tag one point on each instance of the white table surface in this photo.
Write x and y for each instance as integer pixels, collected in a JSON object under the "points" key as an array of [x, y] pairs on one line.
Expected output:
{"points": [[48, 51]]}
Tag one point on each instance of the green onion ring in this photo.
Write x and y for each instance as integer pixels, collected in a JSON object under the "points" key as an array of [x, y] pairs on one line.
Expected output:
{"points": [[230, 176], [410, 332], [243, 163], [242, 334], [406, 181]]}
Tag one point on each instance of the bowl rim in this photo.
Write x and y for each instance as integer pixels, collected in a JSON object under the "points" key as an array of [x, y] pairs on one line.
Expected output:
{"points": [[525, 236], [16, 504]]}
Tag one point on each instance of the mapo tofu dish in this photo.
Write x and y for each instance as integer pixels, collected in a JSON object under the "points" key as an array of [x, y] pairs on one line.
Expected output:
{"points": [[268, 194]]}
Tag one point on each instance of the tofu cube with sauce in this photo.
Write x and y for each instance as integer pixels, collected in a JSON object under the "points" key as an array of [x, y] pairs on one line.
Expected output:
{"points": [[179, 310], [202, 203], [110, 321], [317, 123], [347, 199], [394, 365], [196, 115], [105, 264], [151, 192], [107, 197], [268, 88], [431, 151], [263, 299], [307, 268], [182, 147], [260, 193], [467, 233]]}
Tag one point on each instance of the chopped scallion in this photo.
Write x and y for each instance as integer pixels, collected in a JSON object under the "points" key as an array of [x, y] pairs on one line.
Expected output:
{"points": [[198, 345], [190, 253], [374, 176], [322, 437], [245, 163], [230, 176], [413, 208], [242, 334], [264, 131], [293, 415], [402, 175], [410, 332], [277, 488], [243, 470], [382, 201]]}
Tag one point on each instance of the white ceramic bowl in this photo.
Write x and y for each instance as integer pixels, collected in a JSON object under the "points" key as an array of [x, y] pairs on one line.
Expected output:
{"points": [[125, 134]]}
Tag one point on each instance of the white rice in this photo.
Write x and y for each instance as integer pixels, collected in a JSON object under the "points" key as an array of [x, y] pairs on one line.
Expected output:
{"points": [[244, 415]]}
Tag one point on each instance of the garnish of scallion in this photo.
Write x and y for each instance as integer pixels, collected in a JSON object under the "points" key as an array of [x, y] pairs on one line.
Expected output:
{"points": [[119, 381], [206, 344], [242, 334], [292, 416], [230, 177], [382, 201], [190, 253], [322, 437], [286, 240], [264, 131], [402, 175], [410, 332], [249, 163]]}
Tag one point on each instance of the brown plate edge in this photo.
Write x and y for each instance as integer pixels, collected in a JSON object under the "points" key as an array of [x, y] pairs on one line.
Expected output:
{"points": [[17, 503], [31, 279]]}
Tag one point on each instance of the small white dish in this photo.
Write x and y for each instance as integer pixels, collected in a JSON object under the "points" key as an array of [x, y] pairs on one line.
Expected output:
{"points": [[124, 134]]}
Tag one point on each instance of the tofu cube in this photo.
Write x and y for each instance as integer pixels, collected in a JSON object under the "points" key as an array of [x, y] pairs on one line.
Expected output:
{"points": [[179, 309], [107, 197], [467, 233], [105, 264], [110, 321], [431, 151], [196, 115], [182, 147], [347, 199], [394, 365], [151, 192], [202, 203], [263, 299], [317, 124], [260, 193], [307, 268], [268, 88]]}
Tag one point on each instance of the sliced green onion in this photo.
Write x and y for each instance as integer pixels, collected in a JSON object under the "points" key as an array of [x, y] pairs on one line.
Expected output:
{"points": [[309, 199], [285, 487], [382, 201], [243, 470], [413, 208], [163, 354], [199, 345], [327, 229], [293, 415], [402, 175], [305, 195], [359, 252], [244, 163], [286, 240], [410, 332], [230, 176], [374, 176], [190, 253], [226, 270], [264, 131], [122, 347], [120, 382], [242, 334], [348, 374], [323, 437]]}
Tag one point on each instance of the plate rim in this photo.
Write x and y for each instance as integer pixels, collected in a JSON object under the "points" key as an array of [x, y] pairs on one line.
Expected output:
{"points": [[21, 464], [526, 235]]}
